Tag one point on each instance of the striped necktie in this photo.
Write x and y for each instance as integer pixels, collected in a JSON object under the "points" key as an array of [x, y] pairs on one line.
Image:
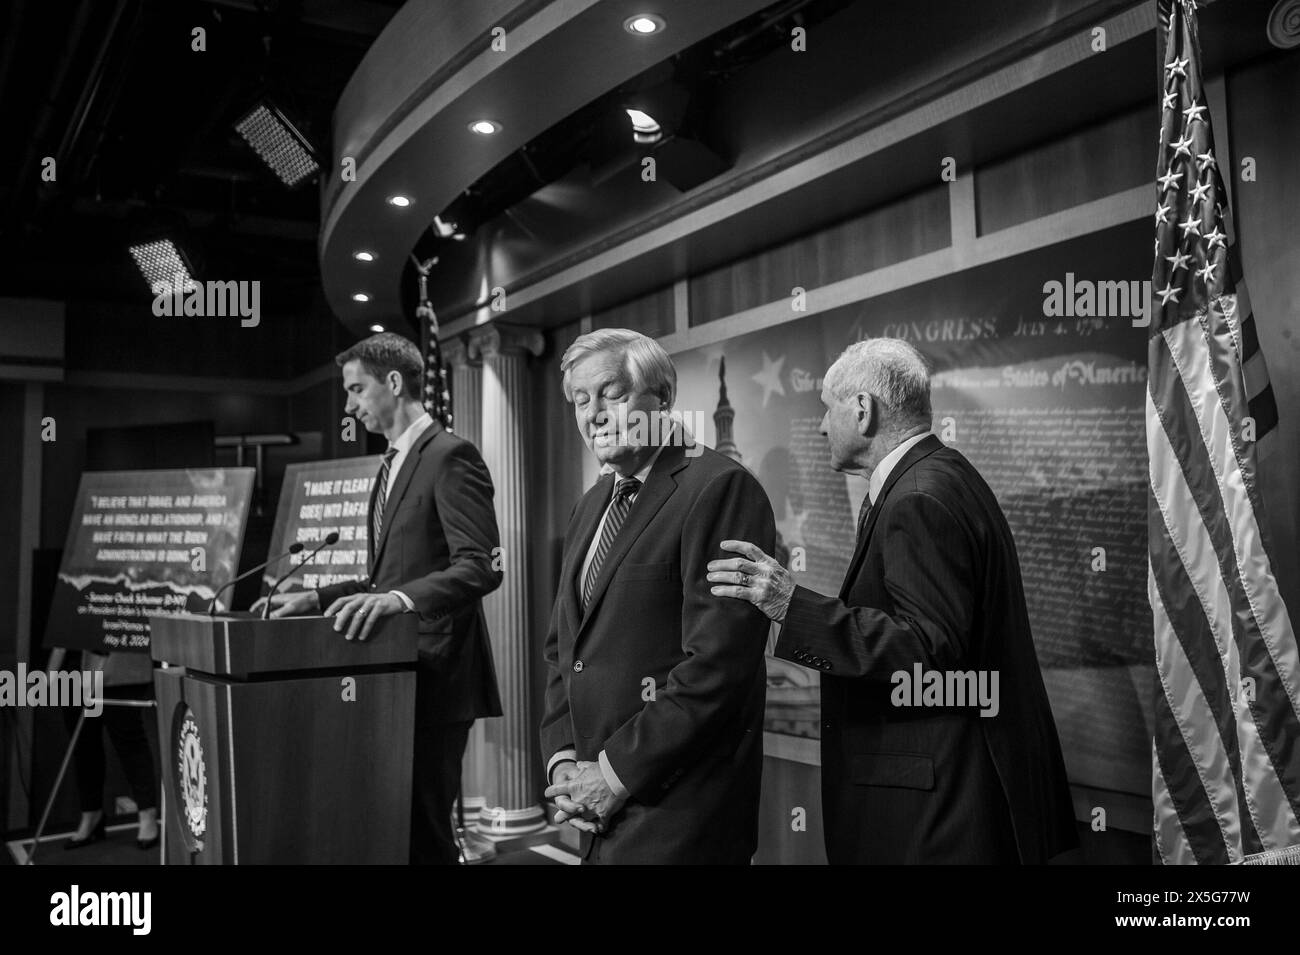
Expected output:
{"points": [[618, 511], [381, 497], [864, 512]]}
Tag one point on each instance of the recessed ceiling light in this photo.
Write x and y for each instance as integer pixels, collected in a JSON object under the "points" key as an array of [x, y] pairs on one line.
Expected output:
{"points": [[484, 127], [644, 24], [364, 256], [400, 201], [644, 127], [376, 328], [361, 297]]}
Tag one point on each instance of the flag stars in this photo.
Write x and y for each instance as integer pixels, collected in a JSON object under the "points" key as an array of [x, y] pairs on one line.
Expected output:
{"points": [[1199, 191], [1206, 274], [1204, 160], [1169, 180], [1162, 215], [1215, 239], [1190, 226], [1177, 261], [1177, 68], [1182, 147], [1169, 294], [1170, 100], [1193, 113], [770, 377]]}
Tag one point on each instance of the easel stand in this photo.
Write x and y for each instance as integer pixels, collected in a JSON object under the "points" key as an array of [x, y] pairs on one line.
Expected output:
{"points": [[67, 758]]}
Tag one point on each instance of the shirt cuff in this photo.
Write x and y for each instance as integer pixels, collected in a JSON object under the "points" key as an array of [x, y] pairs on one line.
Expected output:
{"points": [[407, 602], [611, 777], [560, 757]]}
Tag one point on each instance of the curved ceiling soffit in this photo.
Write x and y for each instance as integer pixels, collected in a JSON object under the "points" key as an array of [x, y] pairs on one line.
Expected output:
{"points": [[404, 118]]}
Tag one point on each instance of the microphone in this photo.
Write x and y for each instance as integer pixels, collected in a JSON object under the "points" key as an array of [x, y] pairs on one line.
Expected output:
{"points": [[329, 541], [212, 604]]}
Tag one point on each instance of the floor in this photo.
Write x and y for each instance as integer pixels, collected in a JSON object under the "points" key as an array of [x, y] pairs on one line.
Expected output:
{"points": [[119, 848]]}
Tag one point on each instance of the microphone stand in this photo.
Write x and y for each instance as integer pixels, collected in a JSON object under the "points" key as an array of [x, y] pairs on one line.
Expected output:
{"points": [[329, 541], [212, 604]]}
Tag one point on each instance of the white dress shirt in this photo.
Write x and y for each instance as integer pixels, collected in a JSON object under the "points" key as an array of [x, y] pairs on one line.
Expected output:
{"points": [[881, 474]]}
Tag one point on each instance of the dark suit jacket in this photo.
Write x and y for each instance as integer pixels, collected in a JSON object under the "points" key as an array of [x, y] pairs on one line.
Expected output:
{"points": [[691, 753], [934, 580], [436, 546]]}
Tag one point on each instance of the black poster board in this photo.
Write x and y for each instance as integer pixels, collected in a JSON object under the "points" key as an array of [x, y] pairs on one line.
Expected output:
{"points": [[142, 543], [319, 498]]}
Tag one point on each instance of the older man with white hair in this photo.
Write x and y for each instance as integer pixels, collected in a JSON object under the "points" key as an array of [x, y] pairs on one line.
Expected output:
{"points": [[938, 744], [655, 691]]}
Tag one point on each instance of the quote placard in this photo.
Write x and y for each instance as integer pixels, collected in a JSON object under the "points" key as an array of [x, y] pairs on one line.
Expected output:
{"points": [[320, 498], [142, 543]]}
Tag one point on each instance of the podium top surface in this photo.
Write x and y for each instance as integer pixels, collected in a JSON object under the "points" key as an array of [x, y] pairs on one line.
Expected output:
{"points": [[243, 645]]}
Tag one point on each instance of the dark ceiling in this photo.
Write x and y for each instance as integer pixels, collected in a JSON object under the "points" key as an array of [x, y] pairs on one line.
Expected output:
{"points": [[756, 101], [597, 137], [141, 127]]}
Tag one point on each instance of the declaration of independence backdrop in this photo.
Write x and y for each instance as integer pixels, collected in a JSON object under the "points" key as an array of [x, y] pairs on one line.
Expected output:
{"points": [[1050, 409]]}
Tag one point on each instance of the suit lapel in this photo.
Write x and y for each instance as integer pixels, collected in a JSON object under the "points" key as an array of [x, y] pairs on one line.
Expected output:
{"points": [[922, 449], [400, 484], [582, 529], [659, 486]]}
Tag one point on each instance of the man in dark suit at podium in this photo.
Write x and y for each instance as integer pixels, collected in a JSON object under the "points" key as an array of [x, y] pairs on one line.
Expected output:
{"points": [[932, 599], [654, 701], [432, 547]]}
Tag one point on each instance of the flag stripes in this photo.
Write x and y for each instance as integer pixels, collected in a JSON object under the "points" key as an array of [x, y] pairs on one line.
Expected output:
{"points": [[1172, 847], [1225, 775], [1202, 519]]}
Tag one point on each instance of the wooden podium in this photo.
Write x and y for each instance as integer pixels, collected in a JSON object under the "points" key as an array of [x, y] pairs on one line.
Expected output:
{"points": [[282, 742]]}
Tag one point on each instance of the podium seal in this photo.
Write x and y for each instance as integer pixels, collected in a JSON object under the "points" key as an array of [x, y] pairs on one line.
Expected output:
{"points": [[190, 781]]}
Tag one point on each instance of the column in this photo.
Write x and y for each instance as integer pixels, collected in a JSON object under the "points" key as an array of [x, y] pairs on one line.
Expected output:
{"points": [[512, 805], [467, 422], [466, 390]]}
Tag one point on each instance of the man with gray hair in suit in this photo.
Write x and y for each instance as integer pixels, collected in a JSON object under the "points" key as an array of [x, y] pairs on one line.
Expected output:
{"points": [[932, 596], [653, 726]]}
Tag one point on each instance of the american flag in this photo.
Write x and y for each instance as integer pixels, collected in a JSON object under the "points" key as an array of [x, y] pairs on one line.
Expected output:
{"points": [[437, 397], [1226, 749]]}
